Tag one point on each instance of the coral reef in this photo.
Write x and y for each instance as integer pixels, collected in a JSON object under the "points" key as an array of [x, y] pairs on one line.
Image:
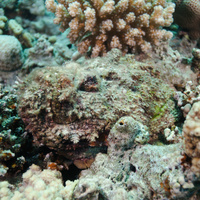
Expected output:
{"points": [[188, 97], [18, 31], [191, 131], [46, 52], [75, 103], [196, 58], [41, 54], [34, 7], [31, 15], [126, 24], [10, 4], [37, 184], [12, 27], [11, 131], [119, 126], [41, 45], [139, 172], [144, 172], [187, 16], [136, 171], [11, 57], [31, 6], [173, 135], [3, 20]]}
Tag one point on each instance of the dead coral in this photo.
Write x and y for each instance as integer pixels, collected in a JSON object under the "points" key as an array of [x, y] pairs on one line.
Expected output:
{"points": [[103, 25]]}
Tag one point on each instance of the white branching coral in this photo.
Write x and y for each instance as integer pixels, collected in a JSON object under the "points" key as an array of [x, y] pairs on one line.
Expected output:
{"points": [[129, 25]]}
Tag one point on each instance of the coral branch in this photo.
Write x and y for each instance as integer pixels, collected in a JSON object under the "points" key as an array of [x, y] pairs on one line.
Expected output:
{"points": [[130, 25]]}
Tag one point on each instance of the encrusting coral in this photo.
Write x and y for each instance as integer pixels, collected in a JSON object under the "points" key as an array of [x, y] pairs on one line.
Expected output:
{"points": [[124, 24], [187, 16]]}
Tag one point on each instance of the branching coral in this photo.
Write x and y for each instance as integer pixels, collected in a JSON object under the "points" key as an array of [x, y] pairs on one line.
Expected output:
{"points": [[124, 24]]}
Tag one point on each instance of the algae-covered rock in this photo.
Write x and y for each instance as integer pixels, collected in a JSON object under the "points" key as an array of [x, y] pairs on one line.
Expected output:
{"points": [[76, 105]]}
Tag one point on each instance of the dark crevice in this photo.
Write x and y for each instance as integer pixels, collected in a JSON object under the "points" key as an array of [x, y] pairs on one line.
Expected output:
{"points": [[71, 174]]}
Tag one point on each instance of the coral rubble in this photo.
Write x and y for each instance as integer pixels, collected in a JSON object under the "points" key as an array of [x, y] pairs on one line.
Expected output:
{"points": [[103, 25]]}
